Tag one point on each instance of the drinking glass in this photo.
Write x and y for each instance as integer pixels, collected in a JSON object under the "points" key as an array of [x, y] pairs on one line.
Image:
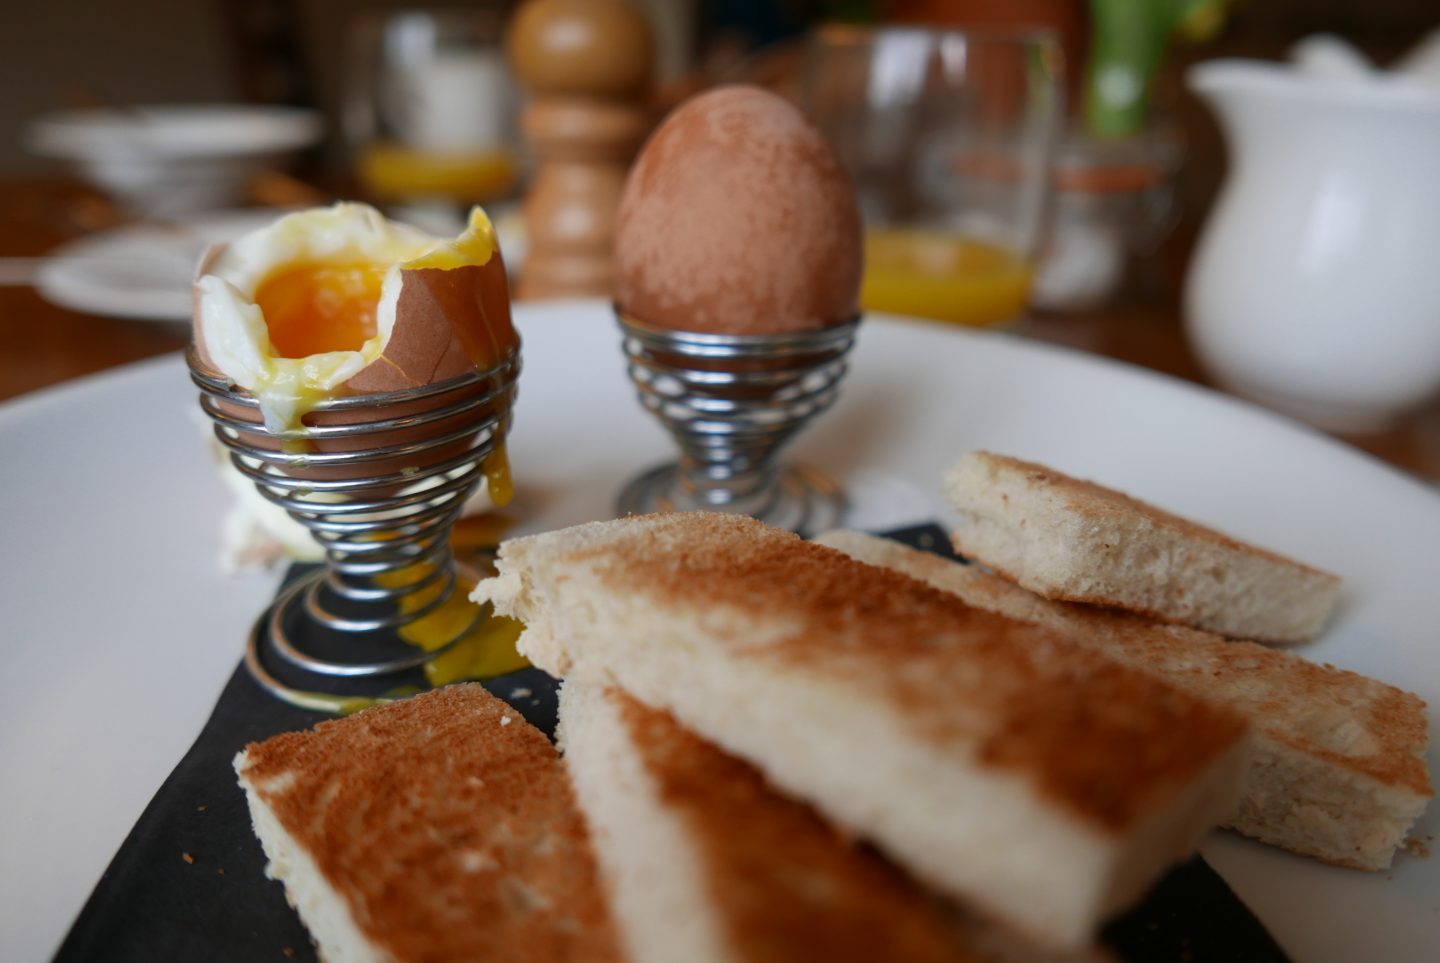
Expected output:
{"points": [[949, 136], [429, 110]]}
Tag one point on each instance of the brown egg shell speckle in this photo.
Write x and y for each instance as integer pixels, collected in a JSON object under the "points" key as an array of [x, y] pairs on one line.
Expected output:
{"points": [[738, 218], [443, 319]]}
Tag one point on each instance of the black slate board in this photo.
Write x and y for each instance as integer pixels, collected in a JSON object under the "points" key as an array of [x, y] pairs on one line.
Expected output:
{"points": [[188, 882]]}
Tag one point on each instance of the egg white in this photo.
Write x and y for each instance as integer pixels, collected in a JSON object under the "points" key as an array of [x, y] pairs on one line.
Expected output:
{"points": [[258, 534], [233, 325]]}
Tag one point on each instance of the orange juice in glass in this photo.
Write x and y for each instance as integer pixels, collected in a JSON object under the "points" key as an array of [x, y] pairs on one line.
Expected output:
{"points": [[394, 171], [944, 277], [949, 136], [429, 109]]}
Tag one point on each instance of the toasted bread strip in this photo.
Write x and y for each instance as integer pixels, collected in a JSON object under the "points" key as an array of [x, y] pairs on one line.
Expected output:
{"points": [[705, 862], [1076, 541], [1337, 769], [994, 759], [441, 827]]}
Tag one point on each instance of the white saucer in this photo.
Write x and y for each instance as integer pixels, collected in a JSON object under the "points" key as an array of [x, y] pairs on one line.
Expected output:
{"points": [[143, 271]]}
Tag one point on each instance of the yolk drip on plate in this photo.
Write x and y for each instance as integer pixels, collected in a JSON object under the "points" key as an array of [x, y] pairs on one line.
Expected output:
{"points": [[487, 644], [316, 308]]}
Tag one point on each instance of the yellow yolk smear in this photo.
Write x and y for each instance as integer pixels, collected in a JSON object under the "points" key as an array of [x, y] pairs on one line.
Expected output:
{"points": [[497, 476], [490, 336], [315, 308], [487, 647], [491, 340]]}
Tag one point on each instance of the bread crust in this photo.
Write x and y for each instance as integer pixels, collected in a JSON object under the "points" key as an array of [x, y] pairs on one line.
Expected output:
{"points": [[443, 823], [778, 882], [1338, 771], [907, 717], [1073, 540], [1099, 739]]}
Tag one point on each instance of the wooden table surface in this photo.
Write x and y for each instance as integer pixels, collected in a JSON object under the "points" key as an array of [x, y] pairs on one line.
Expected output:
{"points": [[46, 345]]}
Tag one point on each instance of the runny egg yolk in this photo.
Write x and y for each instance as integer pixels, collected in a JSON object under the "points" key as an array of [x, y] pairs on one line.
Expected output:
{"points": [[315, 308]]}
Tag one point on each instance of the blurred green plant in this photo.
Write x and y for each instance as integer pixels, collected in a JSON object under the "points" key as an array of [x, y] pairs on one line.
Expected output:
{"points": [[1128, 44]]}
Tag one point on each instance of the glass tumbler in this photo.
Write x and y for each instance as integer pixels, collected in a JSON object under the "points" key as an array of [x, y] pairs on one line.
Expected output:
{"points": [[950, 137], [429, 109]]}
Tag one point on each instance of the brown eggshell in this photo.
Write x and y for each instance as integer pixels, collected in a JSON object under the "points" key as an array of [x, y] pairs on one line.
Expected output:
{"points": [[448, 322], [738, 218]]}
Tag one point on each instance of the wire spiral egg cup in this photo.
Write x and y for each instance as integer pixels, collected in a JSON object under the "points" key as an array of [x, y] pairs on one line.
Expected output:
{"points": [[378, 480], [731, 402]]}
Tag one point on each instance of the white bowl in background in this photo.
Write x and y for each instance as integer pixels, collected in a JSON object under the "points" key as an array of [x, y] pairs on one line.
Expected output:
{"points": [[163, 160]]}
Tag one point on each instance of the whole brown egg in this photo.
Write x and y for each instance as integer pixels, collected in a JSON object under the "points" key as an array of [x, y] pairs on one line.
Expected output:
{"points": [[737, 218]]}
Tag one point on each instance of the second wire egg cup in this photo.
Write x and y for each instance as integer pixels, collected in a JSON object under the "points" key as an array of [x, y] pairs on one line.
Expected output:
{"points": [[378, 480], [731, 402]]}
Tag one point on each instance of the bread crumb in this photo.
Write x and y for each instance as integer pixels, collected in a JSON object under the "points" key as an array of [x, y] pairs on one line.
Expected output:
{"points": [[1415, 847], [201, 809], [220, 871], [289, 951], [187, 857], [504, 720], [519, 693]]}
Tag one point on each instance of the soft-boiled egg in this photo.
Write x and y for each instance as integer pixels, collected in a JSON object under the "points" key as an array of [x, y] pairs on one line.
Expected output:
{"points": [[339, 301]]}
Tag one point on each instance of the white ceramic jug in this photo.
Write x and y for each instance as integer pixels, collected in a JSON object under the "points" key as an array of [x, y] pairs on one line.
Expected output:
{"points": [[1315, 288]]}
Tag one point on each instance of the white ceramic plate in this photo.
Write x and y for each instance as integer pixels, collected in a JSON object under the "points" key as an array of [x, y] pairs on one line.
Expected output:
{"points": [[121, 629], [141, 271]]}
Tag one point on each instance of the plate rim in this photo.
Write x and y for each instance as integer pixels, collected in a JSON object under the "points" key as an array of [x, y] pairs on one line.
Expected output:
{"points": [[137, 376]]}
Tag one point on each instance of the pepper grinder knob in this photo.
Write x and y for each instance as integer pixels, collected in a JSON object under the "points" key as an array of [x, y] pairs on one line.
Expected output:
{"points": [[588, 66]]}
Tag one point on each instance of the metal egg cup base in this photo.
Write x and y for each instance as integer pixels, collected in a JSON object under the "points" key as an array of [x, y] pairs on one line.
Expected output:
{"points": [[801, 500], [379, 485], [307, 664], [731, 403]]}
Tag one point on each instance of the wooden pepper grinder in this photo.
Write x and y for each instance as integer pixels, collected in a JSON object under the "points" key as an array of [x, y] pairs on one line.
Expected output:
{"points": [[588, 66]]}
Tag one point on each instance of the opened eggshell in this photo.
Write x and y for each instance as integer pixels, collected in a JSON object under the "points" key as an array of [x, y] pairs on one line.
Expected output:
{"points": [[448, 323]]}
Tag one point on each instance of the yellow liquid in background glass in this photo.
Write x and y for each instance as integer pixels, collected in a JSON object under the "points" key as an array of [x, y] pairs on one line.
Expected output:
{"points": [[943, 277], [395, 172]]}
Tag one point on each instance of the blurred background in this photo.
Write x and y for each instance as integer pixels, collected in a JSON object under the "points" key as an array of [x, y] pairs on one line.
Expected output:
{"points": [[1096, 213], [72, 53]]}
